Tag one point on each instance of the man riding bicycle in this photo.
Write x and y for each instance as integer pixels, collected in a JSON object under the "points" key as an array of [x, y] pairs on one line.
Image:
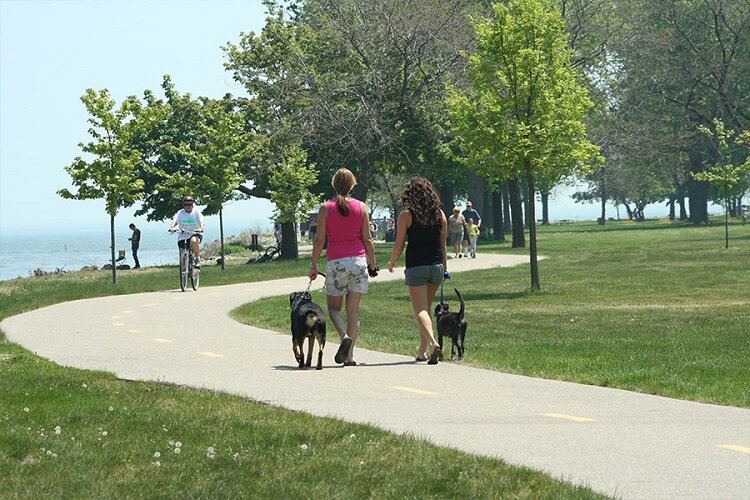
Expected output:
{"points": [[190, 220]]}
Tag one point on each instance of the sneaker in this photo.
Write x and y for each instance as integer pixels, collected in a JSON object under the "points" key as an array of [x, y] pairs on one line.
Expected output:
{"points": [[197, 264]]}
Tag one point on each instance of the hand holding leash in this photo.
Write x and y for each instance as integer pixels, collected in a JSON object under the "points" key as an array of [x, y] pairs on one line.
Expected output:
{"points": [[372, 271], [447, 276]]}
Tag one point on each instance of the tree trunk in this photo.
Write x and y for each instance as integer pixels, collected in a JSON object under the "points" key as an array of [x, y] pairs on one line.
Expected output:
{"points": [[683, 211], [525, 195], [221, 234], [726, 224], [545, 208], [697, 193], [516, 214], [112, 247], [506, 208], [289, 249], [487, 218], [497, 221], [532, 234], [446, 198], [603, 195], [671, 203]]}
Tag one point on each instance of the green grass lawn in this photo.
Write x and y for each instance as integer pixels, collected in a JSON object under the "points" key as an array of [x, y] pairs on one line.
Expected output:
{"points": [[653, 308], [649, 307], [69, 433]]}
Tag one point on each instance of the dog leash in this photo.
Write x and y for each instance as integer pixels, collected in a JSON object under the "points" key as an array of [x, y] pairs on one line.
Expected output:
{"points": [[309, 285], [446, 276]]}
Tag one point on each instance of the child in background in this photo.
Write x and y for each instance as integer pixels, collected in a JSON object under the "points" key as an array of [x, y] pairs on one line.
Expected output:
{"points": [[473, 232]]}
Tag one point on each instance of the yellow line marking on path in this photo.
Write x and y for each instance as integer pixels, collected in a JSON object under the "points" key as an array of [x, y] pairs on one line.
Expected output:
{"points": [[209, 354], [148, 305], [134, 331], [412, 390], [163, 341], [118, 324], [568, 417], [734, 447], [116, 317]]}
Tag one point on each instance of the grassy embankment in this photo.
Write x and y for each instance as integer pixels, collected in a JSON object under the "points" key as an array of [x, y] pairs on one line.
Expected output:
{"points": [[71, 433]]}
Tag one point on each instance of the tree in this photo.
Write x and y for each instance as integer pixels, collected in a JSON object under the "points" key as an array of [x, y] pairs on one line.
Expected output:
{"points": [[357, 83], [523, 115], [289, 190], [112, 172], [725, 177], [684, 63]]}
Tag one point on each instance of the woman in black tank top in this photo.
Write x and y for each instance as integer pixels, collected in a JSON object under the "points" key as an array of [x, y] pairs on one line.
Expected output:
{"points": [[424, 225]]}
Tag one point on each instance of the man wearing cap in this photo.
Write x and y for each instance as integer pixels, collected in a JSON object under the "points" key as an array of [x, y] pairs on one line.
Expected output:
{"points": [[190, 219], [470, 213]]}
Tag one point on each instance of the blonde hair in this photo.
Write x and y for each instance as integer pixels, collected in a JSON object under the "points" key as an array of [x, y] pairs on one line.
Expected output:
{"points": [[343, 182]]}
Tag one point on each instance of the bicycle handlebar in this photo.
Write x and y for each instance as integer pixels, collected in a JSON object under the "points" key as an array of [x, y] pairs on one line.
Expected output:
{"points": [[182, 231]]}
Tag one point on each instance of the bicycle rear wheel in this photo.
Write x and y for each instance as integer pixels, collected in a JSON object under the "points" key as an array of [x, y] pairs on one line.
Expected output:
{"points": [[184, 270], [195, 273]]}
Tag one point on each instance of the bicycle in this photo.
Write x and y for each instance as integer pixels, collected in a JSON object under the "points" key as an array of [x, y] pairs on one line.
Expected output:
{"points": [[188, 271]]}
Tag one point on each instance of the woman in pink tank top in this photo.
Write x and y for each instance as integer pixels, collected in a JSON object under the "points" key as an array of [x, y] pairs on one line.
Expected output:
{"points": [[350, 258]]}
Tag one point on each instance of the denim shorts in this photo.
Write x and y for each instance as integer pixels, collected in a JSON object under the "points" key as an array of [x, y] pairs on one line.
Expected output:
{"points": [[422, 275], [348, 274]]}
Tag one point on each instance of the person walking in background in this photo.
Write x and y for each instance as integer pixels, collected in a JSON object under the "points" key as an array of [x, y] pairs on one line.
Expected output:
{"points": [[473, 232], [424, 225], [456, 225], [470, 213], [135, 243], [190, 219], [350, 257]]}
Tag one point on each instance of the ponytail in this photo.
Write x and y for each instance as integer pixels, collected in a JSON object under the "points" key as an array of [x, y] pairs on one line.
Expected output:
{"points": [[342, 205], [343, 182]]}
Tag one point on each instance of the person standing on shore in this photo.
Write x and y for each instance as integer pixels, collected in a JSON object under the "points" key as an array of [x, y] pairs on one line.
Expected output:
{"points": [[135, 243], [423, 223], [350, 256]]}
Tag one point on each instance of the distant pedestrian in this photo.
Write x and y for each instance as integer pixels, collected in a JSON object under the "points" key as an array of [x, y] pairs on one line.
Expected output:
{"points": [[373, 230], [470, 213], [456, 225], [135, 243], [277, 234], [424, 225], [473, 232]]}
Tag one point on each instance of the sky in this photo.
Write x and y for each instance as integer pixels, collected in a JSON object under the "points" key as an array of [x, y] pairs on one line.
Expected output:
{"points": [[51, 51]]}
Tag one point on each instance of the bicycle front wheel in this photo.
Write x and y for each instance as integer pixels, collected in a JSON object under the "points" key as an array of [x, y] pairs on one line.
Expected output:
{"points": [[184, 270], [195, 274]]}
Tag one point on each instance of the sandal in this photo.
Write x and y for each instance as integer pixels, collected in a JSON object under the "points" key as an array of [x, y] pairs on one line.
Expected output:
{"points": [[417, 358], [343, 351], [350, 363], [435, 356]]}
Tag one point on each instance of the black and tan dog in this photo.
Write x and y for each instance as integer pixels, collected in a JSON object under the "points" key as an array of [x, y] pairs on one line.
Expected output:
{"points": [[307, 322], [452, 325]]}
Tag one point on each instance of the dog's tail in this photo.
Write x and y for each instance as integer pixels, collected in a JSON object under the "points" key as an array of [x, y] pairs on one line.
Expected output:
{"points": [[461, 299]]}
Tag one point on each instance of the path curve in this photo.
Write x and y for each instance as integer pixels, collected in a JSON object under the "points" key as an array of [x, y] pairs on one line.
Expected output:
{"points": [[619, 443]]}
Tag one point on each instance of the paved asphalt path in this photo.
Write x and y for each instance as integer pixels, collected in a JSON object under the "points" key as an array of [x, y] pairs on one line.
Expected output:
{"points": [[620, 443]]}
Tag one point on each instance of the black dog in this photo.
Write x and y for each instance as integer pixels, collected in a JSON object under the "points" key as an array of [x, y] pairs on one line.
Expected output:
{"points": [[452, 325], [307, 321]]}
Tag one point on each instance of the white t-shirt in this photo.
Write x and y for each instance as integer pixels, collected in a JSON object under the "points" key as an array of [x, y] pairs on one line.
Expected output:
{"points": [[188, 221]]}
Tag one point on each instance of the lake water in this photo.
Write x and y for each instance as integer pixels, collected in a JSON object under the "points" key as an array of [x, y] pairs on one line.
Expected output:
{"points": [[21, 252]]}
